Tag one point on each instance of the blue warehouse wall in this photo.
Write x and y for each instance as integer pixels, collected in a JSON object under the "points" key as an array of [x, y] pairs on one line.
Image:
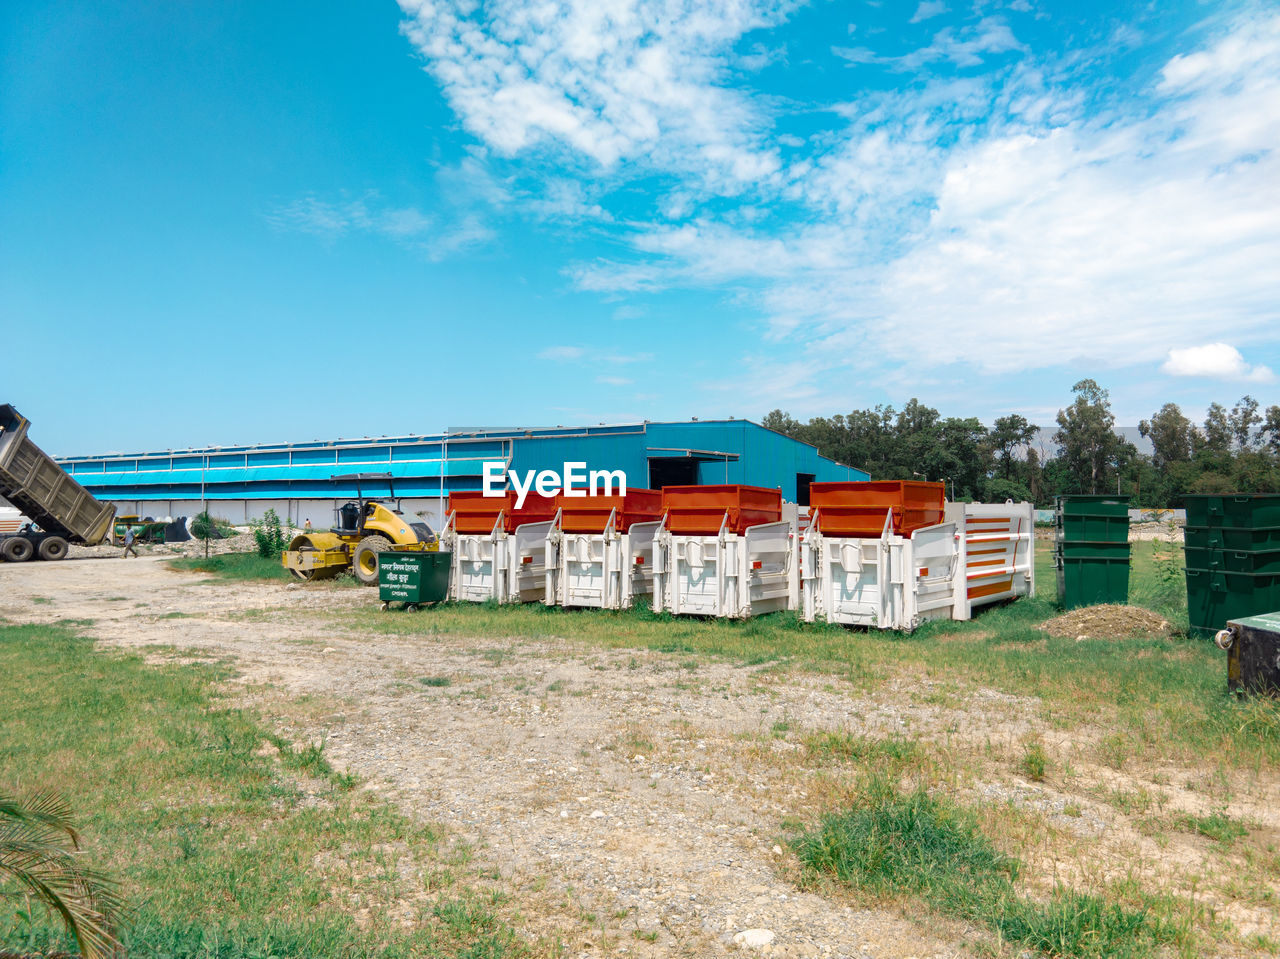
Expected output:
{"points": [[732, 451]]}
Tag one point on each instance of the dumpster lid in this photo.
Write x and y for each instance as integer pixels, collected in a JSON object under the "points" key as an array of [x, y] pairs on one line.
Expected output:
{"points": [[1265, 621]]}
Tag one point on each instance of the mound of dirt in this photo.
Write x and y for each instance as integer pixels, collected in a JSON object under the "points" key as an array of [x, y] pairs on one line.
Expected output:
{"points": [[1108, 621]]}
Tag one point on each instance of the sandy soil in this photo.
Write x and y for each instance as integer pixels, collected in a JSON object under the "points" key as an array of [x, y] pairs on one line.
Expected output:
{"points": [[620, 796]]}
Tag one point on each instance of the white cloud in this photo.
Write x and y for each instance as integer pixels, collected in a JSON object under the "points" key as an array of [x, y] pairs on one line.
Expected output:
{"points": [[583, 354], [1024, 233], [614, 380], [1003, 214], [927, 9], [1217, 360], [610, 80], [561, 354]]}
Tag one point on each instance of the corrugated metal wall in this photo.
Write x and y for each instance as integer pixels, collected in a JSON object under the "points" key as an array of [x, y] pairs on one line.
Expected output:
{"points": [[748, 452]]}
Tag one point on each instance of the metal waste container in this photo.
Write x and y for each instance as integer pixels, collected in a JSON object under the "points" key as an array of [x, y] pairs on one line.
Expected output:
{"points": [[1253, 654], [413, 578]]}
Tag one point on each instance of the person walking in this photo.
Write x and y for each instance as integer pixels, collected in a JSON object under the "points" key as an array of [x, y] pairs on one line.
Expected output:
{"points": [[128, 543]]}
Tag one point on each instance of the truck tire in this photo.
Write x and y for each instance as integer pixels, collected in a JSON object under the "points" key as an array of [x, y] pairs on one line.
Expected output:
{"points": [[364, 563], [53, 547], [17, 549]]}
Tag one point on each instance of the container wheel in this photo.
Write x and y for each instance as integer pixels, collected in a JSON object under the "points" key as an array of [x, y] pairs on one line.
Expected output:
{"points": [[17, 549], [53, 547], [365, 561]]}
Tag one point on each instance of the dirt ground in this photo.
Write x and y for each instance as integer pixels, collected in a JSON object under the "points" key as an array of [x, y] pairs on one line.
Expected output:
{"points": [[632, 802]]}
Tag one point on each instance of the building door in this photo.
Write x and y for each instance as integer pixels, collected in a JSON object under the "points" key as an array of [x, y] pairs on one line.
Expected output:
{"points": [[802, 487], [673, 471]]}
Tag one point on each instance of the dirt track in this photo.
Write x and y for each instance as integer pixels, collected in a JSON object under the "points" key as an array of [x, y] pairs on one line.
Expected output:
{"points": [[597, 784], [632, 802]]}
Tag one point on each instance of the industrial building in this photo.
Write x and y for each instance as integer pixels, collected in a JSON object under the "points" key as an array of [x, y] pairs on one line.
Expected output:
{"points": [[298, 479]]}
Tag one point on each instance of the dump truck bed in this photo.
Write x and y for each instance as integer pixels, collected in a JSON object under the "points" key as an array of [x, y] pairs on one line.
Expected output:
{"points": [[40, 488]]}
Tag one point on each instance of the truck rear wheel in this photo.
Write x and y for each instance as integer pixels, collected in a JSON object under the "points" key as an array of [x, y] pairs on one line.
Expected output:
{"points": [[365, 561], [17, 549], [53, 547]]}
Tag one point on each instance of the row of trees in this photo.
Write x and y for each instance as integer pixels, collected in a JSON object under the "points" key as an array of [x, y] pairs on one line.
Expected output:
{"points": [[1235, 450]]}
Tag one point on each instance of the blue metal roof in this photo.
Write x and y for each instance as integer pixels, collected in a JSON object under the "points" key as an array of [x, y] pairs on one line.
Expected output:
{"points": [[721, 451]]}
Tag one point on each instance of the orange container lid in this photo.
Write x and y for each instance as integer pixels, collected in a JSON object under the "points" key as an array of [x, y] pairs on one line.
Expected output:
{"points": [[590, 514], [476, 513], [701, 510], [859, 508]]}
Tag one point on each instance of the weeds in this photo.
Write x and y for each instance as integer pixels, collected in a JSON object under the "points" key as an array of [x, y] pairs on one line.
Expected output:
{"points": [[271, 540], [917, 844], [1216, 826], [1035, 763], [236, 567], [222, 849]]}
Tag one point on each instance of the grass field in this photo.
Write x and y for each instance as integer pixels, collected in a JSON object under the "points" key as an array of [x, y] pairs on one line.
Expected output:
{"points": [[241, 567], [1162, 697], [228, 843], [227, 851]]}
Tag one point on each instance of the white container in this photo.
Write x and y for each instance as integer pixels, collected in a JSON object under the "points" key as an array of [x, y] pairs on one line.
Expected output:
{"points": [[527, 563], [728, 575], [997, 548], [478, 570], [501, 566], [608, 570], [893, 582]]}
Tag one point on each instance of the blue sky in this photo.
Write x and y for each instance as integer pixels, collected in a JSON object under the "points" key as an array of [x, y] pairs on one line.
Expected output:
{"points": [[274, 221]]}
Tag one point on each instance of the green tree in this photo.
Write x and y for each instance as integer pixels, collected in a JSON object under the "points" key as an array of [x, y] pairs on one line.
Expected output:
{"points": [[1244, 417], [1215, 438], [1092, 453], [1010, 433], [1271, 429], [39, 860], [1172, 436], [782, 423]]}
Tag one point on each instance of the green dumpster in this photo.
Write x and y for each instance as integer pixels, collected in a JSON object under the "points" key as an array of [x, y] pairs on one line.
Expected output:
{"points": [[1235, 560], [1091, 549], [1092, 529], [1083, 504], [1090, 580], [1259, 539], [413, 578], [1215, 596], [1234, 510]]}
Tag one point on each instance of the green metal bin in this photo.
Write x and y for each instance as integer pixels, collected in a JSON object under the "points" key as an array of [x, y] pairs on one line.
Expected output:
{"points": [[1215, 596], [413, 578], [1259, 539], [1091, 549], [1088, 581], [1089, 504], [1235, 560], [1234, 510], [1092, 529], [1253, 654]]}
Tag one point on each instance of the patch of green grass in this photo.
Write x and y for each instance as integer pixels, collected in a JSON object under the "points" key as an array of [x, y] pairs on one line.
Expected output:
{"points": [[915, 844], [1216, 826], [41, 600], [894, 750], [435, 680], [236, 567], [223, 849], [1035, 762], [1160, 696]]}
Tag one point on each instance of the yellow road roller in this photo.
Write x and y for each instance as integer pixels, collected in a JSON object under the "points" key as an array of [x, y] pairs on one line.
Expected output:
{"points": [[365, 528]]}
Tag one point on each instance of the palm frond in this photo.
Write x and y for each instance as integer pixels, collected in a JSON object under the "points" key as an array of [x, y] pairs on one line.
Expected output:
{"points": [[39, 853]]}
